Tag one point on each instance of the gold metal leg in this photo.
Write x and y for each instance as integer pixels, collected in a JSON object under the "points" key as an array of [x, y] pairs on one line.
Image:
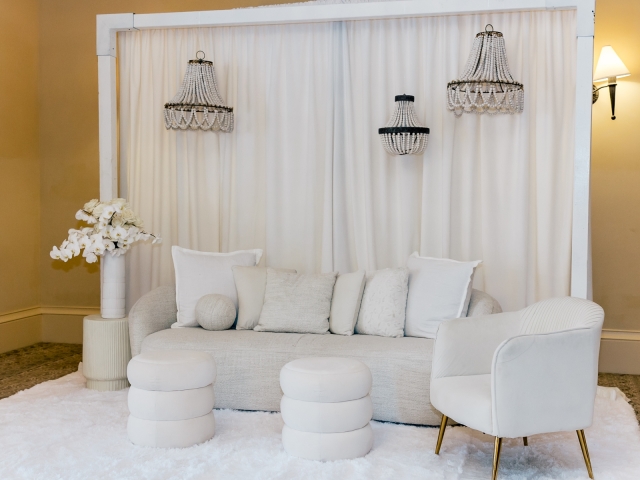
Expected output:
{"points": [[443, 425], [585, 451], [496, 457], [526, 442]]}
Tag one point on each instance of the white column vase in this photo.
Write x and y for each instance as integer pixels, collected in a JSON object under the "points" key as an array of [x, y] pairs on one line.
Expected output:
{"points": [[112, 287]]}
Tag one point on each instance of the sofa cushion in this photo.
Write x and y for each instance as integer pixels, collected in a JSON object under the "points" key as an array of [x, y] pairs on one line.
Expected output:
{"points": [[384, 303], [201, 273], [249, 364], [439, 289], [345, 304], [296, 302], [251, 283], [215, 312]]}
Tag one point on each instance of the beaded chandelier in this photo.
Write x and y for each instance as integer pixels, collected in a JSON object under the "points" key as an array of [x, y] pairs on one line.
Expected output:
{"points": [[198, 103], [403, 134], [486, 86]]}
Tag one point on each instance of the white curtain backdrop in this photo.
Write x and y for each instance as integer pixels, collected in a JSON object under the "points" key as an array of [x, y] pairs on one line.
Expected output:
{"points": [[304, 176]]}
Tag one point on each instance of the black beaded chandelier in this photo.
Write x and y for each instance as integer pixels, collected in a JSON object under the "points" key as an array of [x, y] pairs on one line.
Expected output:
{"points": [[403, 134]]}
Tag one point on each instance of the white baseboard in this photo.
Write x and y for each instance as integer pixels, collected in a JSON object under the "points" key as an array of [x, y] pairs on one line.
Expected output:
{"points": [[25, 327], [620, 352]]}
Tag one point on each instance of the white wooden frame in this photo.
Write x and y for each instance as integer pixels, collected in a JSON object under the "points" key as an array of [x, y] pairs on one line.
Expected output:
{"points": [[109, 25]]}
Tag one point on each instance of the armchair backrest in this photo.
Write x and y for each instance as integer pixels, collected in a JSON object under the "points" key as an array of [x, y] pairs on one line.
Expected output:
{"points": [[558, 314]]}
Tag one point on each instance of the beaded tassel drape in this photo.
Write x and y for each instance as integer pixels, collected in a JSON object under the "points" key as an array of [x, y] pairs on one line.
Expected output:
{"points": [[198, 104], [486, 86], [403, 134]]}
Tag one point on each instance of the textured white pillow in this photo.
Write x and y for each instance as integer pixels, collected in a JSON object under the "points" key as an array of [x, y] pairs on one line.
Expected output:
{"points": [[251, 283], [201, 273], [383, 303], [215, 312], [439, 289], [296, 302], [345, 305]]}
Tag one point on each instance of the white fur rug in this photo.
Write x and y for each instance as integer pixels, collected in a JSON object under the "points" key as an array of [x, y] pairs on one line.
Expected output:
{"points": [[61, 430]]}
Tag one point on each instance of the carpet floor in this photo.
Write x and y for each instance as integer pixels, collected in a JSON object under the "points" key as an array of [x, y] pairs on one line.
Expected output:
{"points": [[61, 430]]}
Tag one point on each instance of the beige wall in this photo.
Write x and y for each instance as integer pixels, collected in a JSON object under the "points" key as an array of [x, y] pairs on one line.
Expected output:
{"points": [[615, 186], [19, 173], [616, 172]]}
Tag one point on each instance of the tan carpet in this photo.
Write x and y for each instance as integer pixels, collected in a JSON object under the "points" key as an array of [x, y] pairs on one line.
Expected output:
{"points": [[23, 368]]}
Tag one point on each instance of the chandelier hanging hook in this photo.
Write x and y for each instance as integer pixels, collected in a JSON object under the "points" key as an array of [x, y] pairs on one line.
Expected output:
{"points": [[486, 29], [203, 55]]}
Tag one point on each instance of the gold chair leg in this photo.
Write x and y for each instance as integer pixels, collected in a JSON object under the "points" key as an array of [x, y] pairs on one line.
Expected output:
{"points": [[526, 442], [496, 457], [585, 451], [443, 425]]}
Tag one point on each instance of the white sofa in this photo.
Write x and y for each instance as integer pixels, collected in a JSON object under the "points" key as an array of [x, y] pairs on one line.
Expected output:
{"points": [[249, 362]]}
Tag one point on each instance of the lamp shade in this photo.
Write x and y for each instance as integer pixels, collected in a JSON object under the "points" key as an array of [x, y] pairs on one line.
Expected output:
{"points": [[609, 65]]}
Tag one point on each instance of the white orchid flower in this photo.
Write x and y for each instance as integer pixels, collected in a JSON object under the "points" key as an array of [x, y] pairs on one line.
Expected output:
{"points": [[110, 246], [55, 254], [91, 258], [84, 241], [74, 248], [108, 212]]}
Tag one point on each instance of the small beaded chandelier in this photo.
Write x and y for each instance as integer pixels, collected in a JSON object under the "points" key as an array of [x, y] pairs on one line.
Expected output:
{"points": [[403, 134], [198, 103], [486, 86]]}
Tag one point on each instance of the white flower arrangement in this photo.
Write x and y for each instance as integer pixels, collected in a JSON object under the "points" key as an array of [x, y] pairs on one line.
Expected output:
{"points": [[115, 228]]}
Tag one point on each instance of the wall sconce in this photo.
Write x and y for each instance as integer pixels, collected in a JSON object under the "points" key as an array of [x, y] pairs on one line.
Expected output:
{"points": [[609, 68]]}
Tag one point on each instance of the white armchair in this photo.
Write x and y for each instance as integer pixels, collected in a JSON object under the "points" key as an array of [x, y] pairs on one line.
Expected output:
{"points": [[518, 374]]}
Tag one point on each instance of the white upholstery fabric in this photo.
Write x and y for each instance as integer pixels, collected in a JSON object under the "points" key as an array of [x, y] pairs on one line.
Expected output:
{"points": [[469, 396], [215, 312], [296, 302], [439, 289], [384, 303], [325, 379], [540, 382], [176, 405], [171, 370], [345, 304], [250, 284], [326, 417], [249, 363], [327, 446], [171, 434], [201, 273]]}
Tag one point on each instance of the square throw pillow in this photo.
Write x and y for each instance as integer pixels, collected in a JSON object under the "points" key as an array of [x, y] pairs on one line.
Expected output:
{"points": [[296, 302], [251, 283], [201, 273], [383, 303], [345, 305], [439, 289]]}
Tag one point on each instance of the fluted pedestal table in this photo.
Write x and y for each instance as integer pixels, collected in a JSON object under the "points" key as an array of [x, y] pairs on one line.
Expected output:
{"points": [[105, 352]]}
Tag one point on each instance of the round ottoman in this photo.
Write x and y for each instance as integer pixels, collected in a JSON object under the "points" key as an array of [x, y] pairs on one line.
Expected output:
{"points": [[171, 398], [326, 408]]}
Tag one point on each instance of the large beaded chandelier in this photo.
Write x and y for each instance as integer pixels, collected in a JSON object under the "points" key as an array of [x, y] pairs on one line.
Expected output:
{"points": [[198, 104], [486, 86], [403, 134]]}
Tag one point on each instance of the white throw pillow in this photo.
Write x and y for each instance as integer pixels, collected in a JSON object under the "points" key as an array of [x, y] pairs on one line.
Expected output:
{"points": [[201, 273], [383, 303], [296, 302], [215, 312], [251, 283], [345, 305], [439, 289]]}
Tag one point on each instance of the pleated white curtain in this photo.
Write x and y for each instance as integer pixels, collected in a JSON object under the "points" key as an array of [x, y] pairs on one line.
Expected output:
{"points": [[304, 176]]}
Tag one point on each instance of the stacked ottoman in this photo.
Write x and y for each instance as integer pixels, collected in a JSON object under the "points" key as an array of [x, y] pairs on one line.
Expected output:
{"points": [[171, 398], [326, 408]]}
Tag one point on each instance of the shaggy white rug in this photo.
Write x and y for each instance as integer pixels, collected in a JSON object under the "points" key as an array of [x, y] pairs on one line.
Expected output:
{"points": [[61, 430]]}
